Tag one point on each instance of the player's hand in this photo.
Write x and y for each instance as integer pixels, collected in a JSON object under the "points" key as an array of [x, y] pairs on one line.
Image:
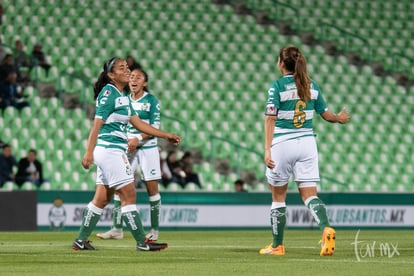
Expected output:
{"points": [[268, 159], [133, 143], [87, 160], [343, 116], [173, 138]]}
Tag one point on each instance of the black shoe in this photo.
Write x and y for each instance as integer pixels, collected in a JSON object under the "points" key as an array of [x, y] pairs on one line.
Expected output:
{"points": [[82, 245], [148, 245]]}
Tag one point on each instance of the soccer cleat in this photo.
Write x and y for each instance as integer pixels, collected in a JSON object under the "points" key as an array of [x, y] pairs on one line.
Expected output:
{"points": [[148, 245], [114, 233], [82, 245], [152, 235], [270, 250], [327, 242]]}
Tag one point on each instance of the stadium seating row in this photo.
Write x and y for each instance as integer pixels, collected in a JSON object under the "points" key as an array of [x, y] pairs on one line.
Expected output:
{"points": [[213, 82], [383, 29]]}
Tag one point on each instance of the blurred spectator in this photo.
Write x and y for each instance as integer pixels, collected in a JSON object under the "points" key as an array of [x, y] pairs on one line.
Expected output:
{"points": [[22, 61], [7, 165], [132, 63], [239, 186], [166, 175], [6, 66], [11, 93], [39, 58], [1, 14], [172, 171], [29, 170], [186, 164], [2, 51]]}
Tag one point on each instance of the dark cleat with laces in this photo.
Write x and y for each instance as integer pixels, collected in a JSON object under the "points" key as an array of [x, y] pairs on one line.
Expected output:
{"points": [[149, 245], [82, 245]]}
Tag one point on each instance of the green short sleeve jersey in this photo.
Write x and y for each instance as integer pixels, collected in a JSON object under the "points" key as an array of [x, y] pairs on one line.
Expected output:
{"points": [[148, 109], [114, 108], [294, 116]]}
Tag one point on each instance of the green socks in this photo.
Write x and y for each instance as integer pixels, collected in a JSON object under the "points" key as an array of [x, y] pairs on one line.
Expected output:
{"points": [[318, 210], [131, 218], [278, 217], [116, 213], [278, 222], [91, 217], [155, 206]]}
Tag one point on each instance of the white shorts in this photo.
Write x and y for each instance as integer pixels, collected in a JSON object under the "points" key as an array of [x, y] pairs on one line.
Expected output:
{"points": [[297, 157], [113, 169], [149, 161]]}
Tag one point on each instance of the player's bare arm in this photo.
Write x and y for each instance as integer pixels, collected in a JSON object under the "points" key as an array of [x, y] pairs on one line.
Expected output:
{"points": [[146, 128], [342, 117], [269, 129], [87, 159]]}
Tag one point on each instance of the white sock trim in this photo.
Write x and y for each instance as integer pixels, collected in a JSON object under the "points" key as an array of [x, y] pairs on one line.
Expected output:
{"points": [[116, 197], [128, 208], [278, 205], [309, 199], [95, 209], [307, 184], [155, 197]]}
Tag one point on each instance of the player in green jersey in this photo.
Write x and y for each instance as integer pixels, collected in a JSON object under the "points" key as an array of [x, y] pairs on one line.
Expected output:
{"points": [[145, 154], [290, 146], [106, 147]]}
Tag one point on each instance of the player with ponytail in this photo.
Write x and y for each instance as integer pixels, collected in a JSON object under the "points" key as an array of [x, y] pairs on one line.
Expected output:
{"points": [[106, 148], [290, 146]]}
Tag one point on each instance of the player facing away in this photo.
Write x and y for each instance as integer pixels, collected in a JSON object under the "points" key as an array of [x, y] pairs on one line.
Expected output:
{"points": [[290, 146], [106, 147], [144, 153]]}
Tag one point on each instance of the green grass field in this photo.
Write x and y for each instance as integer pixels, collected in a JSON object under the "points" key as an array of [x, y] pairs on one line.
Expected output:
{"points": [[210, 253]]}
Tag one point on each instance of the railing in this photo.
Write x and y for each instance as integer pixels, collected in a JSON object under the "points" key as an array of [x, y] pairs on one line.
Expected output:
{"points": [[346, 40], [213, 149], [331, 180], [402, 63], [182, 129], [236, 152]]}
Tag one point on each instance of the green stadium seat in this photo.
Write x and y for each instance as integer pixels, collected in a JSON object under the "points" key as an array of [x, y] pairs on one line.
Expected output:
{"points": [[202, 68], [9, 186], [174, 187]]}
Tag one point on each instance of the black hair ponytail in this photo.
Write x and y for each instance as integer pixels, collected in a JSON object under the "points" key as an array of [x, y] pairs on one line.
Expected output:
{"points": [[103, 78]]}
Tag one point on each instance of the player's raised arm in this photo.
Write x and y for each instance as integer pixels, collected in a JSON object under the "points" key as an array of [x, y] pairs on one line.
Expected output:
{"points": [[146, 128], [342, 117]]}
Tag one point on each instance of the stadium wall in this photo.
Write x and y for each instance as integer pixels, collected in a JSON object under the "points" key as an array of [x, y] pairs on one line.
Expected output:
{"points": [[18, 211], [205, 210], [62, 210]]}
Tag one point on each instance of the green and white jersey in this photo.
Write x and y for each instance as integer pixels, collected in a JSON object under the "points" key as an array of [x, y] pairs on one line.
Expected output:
{"points": [[114, 108], [294, 116], [148, 110]]}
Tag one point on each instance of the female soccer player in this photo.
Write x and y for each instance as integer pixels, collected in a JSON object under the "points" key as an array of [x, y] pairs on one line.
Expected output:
{"points": [[144, 152], [290, 146], [106, 146]]}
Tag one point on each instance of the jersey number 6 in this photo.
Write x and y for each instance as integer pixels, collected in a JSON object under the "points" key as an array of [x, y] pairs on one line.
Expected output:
{"points": [[299, 116]]}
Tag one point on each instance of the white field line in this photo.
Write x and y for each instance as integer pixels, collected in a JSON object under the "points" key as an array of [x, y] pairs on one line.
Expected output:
{"points": [[113, 244], [317, 259]]}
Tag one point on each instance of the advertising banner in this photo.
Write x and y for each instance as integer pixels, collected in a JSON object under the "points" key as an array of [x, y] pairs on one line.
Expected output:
{"points": [[230, 210]]}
